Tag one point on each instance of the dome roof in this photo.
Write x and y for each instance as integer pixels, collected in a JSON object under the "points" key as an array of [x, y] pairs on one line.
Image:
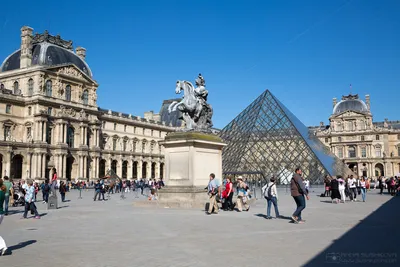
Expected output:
{"points": [[350, 105], [46, 54]]}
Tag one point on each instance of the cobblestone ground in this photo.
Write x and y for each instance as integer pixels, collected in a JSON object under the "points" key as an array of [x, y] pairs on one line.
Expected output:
{"points": [[115, 233]]}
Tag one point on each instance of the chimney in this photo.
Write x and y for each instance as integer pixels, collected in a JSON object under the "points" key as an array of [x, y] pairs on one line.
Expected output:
{"points": [[81, 52], [334, 101], [367, 101], [26, 47]]}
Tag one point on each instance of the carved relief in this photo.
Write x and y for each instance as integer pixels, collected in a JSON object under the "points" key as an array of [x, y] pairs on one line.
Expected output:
{"points": [[70, 71], [66, 112]]}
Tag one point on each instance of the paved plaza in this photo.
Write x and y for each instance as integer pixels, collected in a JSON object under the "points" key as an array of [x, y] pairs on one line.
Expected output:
{"points": [[116, 233]]}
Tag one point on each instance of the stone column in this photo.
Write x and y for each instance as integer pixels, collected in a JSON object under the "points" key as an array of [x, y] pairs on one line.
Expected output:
{"points": [[43, 131], [64, 165], [129, 170], [34, 165], [97, 165], [157, 169], [97, 137], [148, 170], [85, 162], [8, 164], [119, 167], [139, 169], [30, 156], [64, 133], [44, 165], [37, 131]]}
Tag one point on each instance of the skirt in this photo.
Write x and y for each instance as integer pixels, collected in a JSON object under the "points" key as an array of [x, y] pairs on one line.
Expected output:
{"points": [[335, 194]]}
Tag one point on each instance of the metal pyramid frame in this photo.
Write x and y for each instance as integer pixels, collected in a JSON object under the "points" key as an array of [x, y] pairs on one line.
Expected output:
{"points": [[267, 140]]}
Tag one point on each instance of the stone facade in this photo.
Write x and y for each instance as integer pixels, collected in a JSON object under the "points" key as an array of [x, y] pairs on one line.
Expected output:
{"points": [[369, 148], [50, 119]]}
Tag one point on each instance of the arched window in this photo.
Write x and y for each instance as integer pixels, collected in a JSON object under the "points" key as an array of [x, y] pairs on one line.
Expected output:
{"points": [[134, 169], [16, 87], [68, 92], [85, 97], [30, 87], [70, 136], [144, 170], [49, 88]]}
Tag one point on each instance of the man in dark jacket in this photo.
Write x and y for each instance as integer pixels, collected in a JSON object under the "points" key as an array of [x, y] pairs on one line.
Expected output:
{"points": [[298, 191]]}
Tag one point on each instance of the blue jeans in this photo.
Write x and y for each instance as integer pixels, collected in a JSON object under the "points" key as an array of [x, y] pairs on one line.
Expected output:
{"points": [[274, 201], [363, 193], [6, 201], [301, 205]]}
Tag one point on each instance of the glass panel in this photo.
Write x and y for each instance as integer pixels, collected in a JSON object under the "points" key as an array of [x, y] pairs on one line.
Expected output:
{"points": [[68, 93], [266, 140]]}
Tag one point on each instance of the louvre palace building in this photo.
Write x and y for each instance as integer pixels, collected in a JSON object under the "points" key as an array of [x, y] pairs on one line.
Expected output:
{"points": [[50, 119], [369, 148]]}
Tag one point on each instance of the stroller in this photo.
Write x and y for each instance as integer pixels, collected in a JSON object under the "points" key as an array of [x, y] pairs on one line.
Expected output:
{"points": [[18, 199]]}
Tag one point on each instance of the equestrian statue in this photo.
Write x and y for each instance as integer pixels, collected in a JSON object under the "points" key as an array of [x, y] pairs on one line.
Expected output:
{"points": [[196, 112]]}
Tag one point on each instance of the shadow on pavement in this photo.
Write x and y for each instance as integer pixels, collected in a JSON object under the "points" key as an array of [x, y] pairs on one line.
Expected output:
{"points": [[373, 241], [19, 246]]}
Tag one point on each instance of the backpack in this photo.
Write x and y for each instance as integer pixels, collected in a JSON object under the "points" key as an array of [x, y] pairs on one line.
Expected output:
{"points": [[46, 188], [268, 192]]}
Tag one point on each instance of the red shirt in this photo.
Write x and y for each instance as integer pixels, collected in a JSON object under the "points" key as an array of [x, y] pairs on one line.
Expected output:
{"points": [[228, 188], [54, 177]]}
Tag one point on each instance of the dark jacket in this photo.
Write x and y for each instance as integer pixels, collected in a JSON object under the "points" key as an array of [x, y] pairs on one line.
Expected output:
{"points": [[294, 188]]}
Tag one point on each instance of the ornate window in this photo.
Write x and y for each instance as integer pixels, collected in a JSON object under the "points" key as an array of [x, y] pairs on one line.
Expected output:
{"points": [[378, 151], [30, 87], [326, 140], [114, 143], [362, 138], [124, 128], [350, 126], [68, 93], [70, 136], [29, 111], [48, 133], [363, 152], [49, 111], [85, 97], [352, 152], [144, 146], [340, 152], [28, 133], [124, 142], [377, 137], [49, 88], [7, 132], [16, 88], [8, 109]]}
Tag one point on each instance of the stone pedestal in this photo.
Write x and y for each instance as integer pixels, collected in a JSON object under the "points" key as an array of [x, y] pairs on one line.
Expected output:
{"points": [[52, 203], [190, 158]]}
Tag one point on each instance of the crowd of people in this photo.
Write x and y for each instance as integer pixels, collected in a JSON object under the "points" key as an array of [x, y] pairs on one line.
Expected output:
{"points": [[340, 189]]}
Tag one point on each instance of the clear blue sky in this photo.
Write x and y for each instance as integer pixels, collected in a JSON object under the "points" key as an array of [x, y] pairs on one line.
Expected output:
{"points": [[305, 52]]}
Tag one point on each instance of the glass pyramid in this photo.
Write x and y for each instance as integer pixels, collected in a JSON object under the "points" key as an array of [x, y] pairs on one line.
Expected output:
{"points": [[267, 140]]}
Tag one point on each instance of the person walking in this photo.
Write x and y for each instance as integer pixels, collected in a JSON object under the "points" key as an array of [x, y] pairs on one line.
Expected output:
{"points": [[62, 190], [227, 194], [30, 201], [212, 192], [353, 188], [271, 195], [3, 189], [46, 191], [298, 191], [363, 187], [342, 188], [8, 185]]}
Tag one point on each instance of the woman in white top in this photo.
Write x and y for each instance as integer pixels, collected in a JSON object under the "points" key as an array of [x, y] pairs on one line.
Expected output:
{"points": [[363, 185], [342, 188]]}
